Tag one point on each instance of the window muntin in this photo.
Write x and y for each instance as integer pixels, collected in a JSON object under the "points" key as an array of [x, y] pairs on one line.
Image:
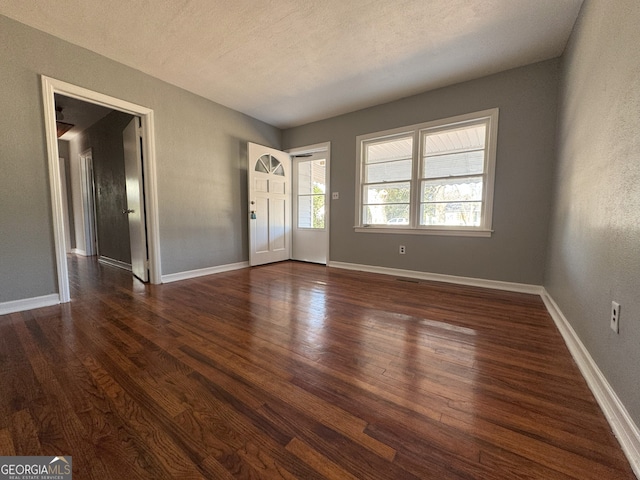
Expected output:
{"points": [[435, 177]]}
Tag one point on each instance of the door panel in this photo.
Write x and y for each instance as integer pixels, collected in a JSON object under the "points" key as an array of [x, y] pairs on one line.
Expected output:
{"points": [[261, 185], [278, 224], [269, 173], [135, 200], [262, 225], [277, 187]]}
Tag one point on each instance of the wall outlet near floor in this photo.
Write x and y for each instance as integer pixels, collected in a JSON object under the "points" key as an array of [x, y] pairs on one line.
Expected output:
{"points": [[615, 317], [402, 250]]}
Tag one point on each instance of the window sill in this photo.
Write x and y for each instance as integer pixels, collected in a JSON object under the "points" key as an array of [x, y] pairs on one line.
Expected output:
{"points": [[450, 232]]}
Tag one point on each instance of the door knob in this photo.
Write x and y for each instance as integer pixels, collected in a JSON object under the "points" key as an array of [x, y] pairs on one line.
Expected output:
{"points": [[127, 211]]}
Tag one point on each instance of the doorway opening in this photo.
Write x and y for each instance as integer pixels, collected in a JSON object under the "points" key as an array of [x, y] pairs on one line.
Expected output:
{"points": [[311, 202], [147, 174]]}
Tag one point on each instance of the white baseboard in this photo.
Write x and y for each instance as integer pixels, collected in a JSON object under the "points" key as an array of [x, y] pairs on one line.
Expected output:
{"points": [[621, 423], [175, 277], [438, 277], [115, 263], [29, 304], [78, 251]]}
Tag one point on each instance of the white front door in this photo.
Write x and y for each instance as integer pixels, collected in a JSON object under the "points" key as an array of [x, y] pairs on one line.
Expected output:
{"points": [[269, 181], [310, 207], [134, 209]]}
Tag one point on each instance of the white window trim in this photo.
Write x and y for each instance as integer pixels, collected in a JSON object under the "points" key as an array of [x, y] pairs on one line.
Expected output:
{"points": [[485, 227]]}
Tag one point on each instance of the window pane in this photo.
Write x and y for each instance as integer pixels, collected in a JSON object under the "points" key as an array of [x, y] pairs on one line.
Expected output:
{"points": [[260, 165], [387, 193], [454, 152], [453, 164], [311, 177], [311, 211], [389, 150], [455, 140], [305, 180], [385, 215], [389, 172], [466, 214], [318, 211], [452, 189]]}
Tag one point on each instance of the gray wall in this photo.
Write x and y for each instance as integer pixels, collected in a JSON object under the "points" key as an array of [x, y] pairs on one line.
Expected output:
{"points": [[526, 136], [594, 247], [107, 152], [200, 161]]}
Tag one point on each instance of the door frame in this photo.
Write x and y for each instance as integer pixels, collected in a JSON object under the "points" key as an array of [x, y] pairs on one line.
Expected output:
{"points": [[51, 86], [315, 148]]}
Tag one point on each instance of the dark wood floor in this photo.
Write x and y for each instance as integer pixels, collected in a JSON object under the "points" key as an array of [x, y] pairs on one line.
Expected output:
{"points": [[298, 371]]}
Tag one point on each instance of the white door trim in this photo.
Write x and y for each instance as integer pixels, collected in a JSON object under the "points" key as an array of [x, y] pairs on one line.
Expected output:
{"points": [[50, 87]]}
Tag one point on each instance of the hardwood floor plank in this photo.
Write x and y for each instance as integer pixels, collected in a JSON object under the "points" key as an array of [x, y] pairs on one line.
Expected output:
{"points": [[317, 461], [509, 465], [534, 449], [376, 411], [125, 453], [298, 371], [24, 434], [333, 417], [337, 448], [20, 386], [6, 443], [216, 470], [154, 449]]}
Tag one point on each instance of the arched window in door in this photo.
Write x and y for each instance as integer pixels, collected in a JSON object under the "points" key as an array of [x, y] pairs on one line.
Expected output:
{"points": [[269, 164]]}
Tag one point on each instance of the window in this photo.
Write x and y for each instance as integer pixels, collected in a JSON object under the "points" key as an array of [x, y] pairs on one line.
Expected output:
{"points": [[269, 164], [432, 178], [312, 175], [387, 180]]}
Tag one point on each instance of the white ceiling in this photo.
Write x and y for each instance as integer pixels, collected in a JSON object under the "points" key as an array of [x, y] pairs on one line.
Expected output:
{"points": [[290, 62]]}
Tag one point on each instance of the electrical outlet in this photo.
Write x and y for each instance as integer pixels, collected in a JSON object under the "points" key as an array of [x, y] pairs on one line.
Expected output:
{"points": [[615, 317], [335, 195], [403, 250]]}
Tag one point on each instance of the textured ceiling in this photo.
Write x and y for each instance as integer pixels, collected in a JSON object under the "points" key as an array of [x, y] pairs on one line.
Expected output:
{"points": [[289, 62]]}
